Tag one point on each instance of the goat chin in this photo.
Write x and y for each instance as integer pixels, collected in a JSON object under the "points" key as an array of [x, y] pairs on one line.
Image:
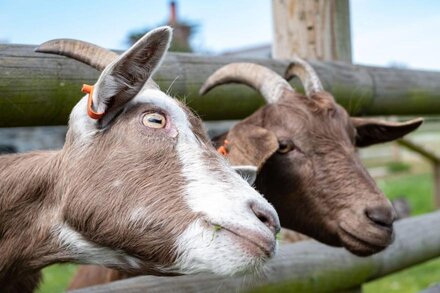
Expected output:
{"points": [[222, 250], [365, 243]]}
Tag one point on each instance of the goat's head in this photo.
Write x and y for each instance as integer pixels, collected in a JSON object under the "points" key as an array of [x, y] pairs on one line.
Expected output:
{"points": [[305, 147], [143, 189]]}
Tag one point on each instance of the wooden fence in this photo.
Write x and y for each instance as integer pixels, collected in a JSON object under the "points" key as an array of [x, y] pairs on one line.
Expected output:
{"points": [[40, 89]]}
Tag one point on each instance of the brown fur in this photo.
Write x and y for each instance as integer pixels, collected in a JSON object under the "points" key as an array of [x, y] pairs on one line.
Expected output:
{"points": [[125, 161], [38, 188], [255, 135], [320, 182], [24, 227]]}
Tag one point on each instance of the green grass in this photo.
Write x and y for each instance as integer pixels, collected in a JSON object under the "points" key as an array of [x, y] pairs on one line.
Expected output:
{"points": [[416, 188], [411, 280], [398, 167], [56, 278]]}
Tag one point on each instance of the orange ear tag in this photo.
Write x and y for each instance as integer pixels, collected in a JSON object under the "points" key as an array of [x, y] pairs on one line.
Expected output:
{"points": [[223, 150], [88, 89]]}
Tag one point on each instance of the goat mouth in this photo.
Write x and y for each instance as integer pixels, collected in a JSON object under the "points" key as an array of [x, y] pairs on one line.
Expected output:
{"points": [[365, 244], [253, 242]]}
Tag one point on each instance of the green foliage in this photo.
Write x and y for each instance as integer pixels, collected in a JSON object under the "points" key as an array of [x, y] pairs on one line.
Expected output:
{"points": [[398, 167]]}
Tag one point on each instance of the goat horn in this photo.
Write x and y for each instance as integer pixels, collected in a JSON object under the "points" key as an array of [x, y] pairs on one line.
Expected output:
{"points": [[305, 72], [264, 80], [90, 54]]}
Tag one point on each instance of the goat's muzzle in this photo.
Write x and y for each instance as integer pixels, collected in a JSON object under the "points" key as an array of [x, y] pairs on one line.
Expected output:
{"points": [[368, 231]]}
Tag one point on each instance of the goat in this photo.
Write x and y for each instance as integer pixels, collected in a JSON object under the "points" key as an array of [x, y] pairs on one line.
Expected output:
{"points": [[305, 149], [137, 187]]}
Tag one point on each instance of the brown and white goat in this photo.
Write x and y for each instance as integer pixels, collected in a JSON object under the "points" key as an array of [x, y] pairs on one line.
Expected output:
{"points": [[305, 149], [137, 188]]}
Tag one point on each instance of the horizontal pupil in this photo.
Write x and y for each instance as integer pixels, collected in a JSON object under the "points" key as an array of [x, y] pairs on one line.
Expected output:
{"points": [[154, 120]]}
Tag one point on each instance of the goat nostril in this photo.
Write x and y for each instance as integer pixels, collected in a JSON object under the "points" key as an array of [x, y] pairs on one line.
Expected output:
{"points": [[263, 219], [266, 218], [381, 215]]}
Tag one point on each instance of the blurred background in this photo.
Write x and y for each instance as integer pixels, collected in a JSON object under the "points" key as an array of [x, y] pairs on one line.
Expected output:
{"points": [[399, 34]]}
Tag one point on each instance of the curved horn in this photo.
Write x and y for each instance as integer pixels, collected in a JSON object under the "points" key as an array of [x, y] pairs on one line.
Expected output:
{"points": [[90, 54], [264, 80], [306, 74]]}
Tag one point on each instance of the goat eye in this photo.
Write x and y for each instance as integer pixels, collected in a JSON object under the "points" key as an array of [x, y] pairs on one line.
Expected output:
{"points": [[285, 146], [154, 120]]}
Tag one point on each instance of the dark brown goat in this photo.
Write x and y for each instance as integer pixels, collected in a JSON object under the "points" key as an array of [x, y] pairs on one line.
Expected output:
{"points": [[305, 149]]}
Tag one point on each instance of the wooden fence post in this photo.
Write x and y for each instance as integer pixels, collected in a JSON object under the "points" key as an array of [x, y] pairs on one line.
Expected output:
{"points": [[318, 29]]}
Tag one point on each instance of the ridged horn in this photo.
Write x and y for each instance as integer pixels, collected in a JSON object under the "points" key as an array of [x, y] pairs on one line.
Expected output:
{"points": [[90, 54], [264, 80], [307, 75]]}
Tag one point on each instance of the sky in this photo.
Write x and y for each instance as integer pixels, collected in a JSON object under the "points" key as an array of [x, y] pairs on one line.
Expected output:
{"points": [[384, 32]]}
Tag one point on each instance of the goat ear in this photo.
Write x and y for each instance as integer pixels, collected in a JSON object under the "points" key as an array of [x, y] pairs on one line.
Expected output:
{"points": [[122, 79], [250, 145], [249, 173], [373, 131]]}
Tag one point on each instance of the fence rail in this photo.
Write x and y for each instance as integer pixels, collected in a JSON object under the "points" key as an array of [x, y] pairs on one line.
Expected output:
{"points": [[40, 89], [308, 266]]}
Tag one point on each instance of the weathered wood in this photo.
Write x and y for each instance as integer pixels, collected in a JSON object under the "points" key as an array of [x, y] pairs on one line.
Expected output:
{"points": [[40, 89], [308, 266], [317, 29]]}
